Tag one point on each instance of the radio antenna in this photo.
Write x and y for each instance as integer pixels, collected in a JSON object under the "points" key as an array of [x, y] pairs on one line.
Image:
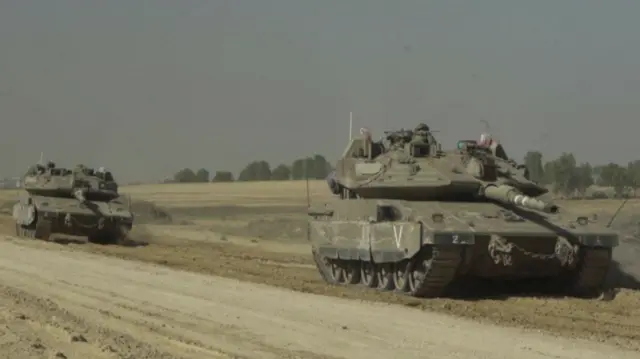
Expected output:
{"points": [[350, 125], [306, 178], [617, 212]]}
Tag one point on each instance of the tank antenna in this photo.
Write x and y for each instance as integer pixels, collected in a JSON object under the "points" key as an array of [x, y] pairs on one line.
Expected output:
{"points": [[350, 125], [306, 178], [617, 212], [41, 158]]}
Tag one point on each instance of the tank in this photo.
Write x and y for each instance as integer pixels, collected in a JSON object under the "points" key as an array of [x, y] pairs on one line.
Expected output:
{"points": [[411, 217], [80, 202]]}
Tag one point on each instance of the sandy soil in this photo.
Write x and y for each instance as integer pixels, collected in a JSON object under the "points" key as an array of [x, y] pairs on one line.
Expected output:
{"points": [[76, 305], [54, 295]]}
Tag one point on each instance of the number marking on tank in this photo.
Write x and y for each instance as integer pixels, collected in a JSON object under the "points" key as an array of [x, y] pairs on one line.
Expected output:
{"points": [[397, 234]]}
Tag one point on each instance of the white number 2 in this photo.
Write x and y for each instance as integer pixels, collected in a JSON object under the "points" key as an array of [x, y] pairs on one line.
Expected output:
{"points": [[455, 238]]}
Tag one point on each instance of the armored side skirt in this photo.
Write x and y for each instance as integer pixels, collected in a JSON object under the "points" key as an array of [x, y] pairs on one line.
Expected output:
{"points": [[80, 224], [489, 255]]}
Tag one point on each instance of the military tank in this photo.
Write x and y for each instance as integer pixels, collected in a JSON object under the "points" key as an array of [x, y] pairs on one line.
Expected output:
{"points": [[417, 219], [80, 202]]}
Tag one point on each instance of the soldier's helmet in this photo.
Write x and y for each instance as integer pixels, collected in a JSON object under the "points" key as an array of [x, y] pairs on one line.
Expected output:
{"points": [[422, 128]]}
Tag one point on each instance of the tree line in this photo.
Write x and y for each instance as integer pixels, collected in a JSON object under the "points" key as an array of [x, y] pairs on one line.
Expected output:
{"points": [[564, 175], [569, 178], [313, 167]]}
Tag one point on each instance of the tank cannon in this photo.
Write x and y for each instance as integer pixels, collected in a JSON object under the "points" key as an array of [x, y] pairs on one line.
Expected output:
{"points": [[414, 217], [509, 195]]}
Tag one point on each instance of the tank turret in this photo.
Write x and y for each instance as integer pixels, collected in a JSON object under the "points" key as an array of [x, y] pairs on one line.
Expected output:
{"points": [[413, 217]]}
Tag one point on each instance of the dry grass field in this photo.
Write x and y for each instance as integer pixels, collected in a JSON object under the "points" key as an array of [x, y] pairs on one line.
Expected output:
{"points": [[253, 232]]}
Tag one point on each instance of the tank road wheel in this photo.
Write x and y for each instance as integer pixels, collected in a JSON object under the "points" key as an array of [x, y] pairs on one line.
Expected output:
{"points": [[400, 275], [368, 276], [29, 233], [336, 270], [43, 230], [321, 266], [384, 276], [352, 272], [432, 270]]}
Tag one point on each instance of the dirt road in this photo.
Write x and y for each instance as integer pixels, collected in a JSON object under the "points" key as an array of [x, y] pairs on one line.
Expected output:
{"points": [[78, 305]]}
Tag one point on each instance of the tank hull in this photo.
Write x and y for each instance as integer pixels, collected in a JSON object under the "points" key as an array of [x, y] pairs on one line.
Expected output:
{"points": [[40, 217], [423, 248]]}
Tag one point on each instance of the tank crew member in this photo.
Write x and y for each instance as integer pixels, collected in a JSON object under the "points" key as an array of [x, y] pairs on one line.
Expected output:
{"points": [[421, 134]]}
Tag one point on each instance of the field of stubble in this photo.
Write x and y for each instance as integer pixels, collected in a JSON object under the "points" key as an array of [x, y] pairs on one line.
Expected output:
{"points": [[253, 232]]}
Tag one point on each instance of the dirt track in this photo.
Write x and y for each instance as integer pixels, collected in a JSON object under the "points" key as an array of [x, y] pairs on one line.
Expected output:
{"points": [[80, 305]]}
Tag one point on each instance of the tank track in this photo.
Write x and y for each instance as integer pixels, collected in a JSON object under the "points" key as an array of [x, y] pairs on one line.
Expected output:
{"points": [[589, 279], [427, 275], [431, 273], [42, 230], [39, 230]]}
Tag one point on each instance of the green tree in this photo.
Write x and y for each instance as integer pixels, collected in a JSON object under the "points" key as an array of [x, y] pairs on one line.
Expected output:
{"points": [[223, 176], [256, 171], [582, 178], [281, 173], [533, 161], [202, 175], [564, 171], [316, 167], [549, 173], [633, 174], [608, 174], [620, 180], [185, 175]]}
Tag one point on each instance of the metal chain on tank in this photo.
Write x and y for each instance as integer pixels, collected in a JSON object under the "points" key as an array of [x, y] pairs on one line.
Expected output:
{"points": [[500, 251], [80, 224]]}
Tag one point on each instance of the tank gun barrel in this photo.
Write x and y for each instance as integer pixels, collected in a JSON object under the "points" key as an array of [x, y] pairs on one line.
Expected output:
{"points": [[510, 195]]}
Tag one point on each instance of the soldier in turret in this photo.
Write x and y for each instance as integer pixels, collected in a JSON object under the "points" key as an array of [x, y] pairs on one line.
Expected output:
{"points": [[80, 169], [421, 134]]}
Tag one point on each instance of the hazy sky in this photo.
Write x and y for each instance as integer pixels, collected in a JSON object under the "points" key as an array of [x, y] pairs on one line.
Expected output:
{"points": [[146, 87]]}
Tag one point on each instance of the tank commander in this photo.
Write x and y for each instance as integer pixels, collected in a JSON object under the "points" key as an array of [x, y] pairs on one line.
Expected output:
{"points": [[79, 169], [421, 134], [40, 169], [486, 141]]}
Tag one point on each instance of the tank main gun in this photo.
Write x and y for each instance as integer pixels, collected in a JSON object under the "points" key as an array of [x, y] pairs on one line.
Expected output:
{"points": [[510, 195]]}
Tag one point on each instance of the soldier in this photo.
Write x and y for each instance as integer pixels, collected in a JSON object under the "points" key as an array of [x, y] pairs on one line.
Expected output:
{"points": [[422, 134], [422, 128], [79, 169], [100, 172]]}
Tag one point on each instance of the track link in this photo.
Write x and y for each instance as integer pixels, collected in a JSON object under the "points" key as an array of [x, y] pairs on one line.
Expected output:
{"points": [[589, 279], [444, 265], [428, 275]]}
